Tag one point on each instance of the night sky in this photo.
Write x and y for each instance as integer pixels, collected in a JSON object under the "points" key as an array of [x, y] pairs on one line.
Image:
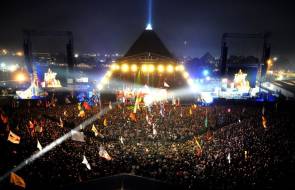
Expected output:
{"points": [[112, 25]]}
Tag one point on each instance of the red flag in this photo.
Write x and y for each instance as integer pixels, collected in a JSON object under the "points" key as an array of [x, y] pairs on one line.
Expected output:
{"points": [[4, 118], [86, 106]]}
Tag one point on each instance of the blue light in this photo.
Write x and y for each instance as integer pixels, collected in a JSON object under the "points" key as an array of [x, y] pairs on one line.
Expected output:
{"points": [[205, 72], [149, 19]]}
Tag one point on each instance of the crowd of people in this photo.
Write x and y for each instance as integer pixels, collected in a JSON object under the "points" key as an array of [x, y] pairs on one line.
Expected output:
{"points": [[225, 145]]}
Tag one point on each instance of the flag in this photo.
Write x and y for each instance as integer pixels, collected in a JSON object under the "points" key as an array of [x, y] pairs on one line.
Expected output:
{"points": [[79, 106], [104, 154], [86, 106], [264, 122], [105, 122], [94, 130], [166, 85], [67, 101], [190, 111], [228, 158], [199, 149], [61, 124], [17, 180], [77, 136], [81, 113], [86, 163], [4, 119], [147, 119], [13, 138], [154, 130], [31, 125], [65, 113], [133, 117], [121, 139], [39, 145], [110, 105]]}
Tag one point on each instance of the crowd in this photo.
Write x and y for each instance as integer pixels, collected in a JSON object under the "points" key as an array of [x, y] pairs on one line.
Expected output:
{"points": [[223, 145]]}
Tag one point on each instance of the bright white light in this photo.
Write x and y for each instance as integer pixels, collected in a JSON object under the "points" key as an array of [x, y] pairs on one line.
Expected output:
{"points": [[224, 80], [12, 68], [99, 87], [3, 64], [208, 78], [76, 55], [207, 98], [275, 58], [149, 26]]}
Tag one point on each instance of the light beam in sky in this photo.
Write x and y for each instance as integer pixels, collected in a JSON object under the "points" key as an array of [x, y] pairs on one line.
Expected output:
{"points": [[149, 25]]}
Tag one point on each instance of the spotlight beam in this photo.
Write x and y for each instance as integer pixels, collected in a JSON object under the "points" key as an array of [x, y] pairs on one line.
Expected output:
{"points": [[56, 142]]}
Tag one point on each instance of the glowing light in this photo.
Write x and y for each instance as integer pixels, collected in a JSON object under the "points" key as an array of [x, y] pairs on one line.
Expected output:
{"points": [[161, 68], [133, 68], [190, 81], [180, 68], [108, 74], [275, 58], [208, 78], [19, 53], [144, 68], [104, 80], [205, 72], [151, 68], [149, 27], [207, 98], [115, 67], [186, 75], [20, 77], [170, 68], [12, 68], [125, 68], [224, 80], [76, 55], [4, 51], [99, 86]]}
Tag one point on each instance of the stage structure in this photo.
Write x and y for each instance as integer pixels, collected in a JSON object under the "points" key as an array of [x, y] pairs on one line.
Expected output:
{"points": [[148, 64]]}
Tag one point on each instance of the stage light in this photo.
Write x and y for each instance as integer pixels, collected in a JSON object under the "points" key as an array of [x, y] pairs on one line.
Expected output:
{"points": [[170, 68], [151, 68], [19, 53], [185, 75], [161, 68], [205, 72], [115, 67], [208, 78], [20, 77], [149, 27], [76, 55], [179, 68], [133, 68], [125, 68], [144, 68]]}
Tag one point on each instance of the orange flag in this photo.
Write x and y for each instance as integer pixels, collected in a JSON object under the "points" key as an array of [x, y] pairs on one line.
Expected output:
{"points": [[17, 180], [133, 117], [264, 122], [13, 138]]}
